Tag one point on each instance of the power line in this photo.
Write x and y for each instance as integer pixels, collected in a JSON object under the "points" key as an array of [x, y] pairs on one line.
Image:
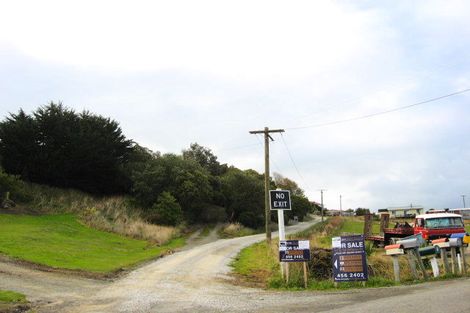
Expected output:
{"points": [[380, 113], [293, 162], [272, 160]]}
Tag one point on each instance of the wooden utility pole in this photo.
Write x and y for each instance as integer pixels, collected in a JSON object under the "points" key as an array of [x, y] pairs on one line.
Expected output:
{"points": [[321, 190], [340, 205], [267, 210]]}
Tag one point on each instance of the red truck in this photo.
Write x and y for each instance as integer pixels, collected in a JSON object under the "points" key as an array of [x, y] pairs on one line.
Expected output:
{"points": [[438, 225], [431, 226]]}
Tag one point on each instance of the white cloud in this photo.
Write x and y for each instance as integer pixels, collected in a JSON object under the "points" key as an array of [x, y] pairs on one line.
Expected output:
{"points": [[254, 40], [177, 72]]}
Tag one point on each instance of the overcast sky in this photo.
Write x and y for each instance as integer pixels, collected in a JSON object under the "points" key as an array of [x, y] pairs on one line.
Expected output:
{"points": [[177, 72]]}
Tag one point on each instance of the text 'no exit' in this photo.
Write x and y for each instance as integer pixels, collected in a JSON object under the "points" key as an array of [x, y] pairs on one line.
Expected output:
{"points": [[280, 199]]}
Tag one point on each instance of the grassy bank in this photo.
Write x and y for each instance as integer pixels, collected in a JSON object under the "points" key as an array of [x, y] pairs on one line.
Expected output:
{"points": [[11, 301], [7, 296], [118, 214], [60, 241]]}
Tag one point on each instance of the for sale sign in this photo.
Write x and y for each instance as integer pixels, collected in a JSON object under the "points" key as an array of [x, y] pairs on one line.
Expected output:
{"points": [[294, 250], [349, 259]]}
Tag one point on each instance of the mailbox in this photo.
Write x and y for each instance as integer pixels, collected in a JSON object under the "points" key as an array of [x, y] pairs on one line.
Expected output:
{"points": [[441, 243], [429, 251], [411, 243], [394, 250], [465, 238], [455, 242]]}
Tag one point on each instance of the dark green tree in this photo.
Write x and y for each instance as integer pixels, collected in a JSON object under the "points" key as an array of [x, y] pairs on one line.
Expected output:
{"points": [[205, 158], [288, 184], [166, 210], [185, 179], [301, 205], [362, 211], [19, 145], [244, 196], [59, 147]]}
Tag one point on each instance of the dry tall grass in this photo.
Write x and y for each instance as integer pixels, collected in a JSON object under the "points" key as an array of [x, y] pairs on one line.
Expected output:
{"points": [[235, 230], [113, 214]]}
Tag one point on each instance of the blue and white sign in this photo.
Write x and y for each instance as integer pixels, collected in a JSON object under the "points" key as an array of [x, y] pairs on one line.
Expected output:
{"points": [[294, 250], [349, 259]]}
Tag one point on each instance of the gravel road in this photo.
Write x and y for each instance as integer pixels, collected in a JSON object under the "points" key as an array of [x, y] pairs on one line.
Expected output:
{"points": [[195, 280]]}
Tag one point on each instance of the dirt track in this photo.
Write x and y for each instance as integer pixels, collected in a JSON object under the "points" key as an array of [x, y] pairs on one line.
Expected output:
{"points": [[195, 280]]}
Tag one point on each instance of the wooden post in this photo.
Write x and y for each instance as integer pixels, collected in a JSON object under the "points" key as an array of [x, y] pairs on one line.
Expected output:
{"points": [[420, 263], [305, 275], [435, 267], [267, 210], [367, 225], [453, 253], [445, 261], [287, 273], [396, 268], [411, 262], [464, 262], [384, 221]]}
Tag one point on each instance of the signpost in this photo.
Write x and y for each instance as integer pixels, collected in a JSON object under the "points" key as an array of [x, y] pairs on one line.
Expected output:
{"points": [[349, 259], [295, 251], [279, 200]]}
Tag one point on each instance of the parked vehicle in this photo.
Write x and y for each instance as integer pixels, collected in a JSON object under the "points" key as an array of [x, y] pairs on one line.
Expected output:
{"points": [[438, 225], [430, 226]]}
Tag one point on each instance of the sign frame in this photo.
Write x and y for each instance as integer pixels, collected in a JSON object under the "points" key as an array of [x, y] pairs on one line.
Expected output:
{"points": [[300, 251], [284, 195], [349, 259]]}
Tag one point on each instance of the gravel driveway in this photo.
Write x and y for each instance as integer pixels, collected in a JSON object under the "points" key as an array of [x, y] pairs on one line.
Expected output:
{"points": [[195, 280]]}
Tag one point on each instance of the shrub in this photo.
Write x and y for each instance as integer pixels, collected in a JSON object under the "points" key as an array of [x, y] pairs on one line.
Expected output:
{"points": [[166, 210], [213, 214], [250, 219], [12, 184]]}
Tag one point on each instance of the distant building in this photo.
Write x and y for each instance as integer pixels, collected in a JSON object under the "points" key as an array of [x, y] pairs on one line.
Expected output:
{"points": [[333, 212], [405, 212], [338, 213]]}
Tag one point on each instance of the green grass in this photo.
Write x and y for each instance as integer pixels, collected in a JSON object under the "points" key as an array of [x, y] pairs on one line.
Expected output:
{"points": [[206, 231], [373, 282], [60, 241], [12, 297], [254, 258], [259, 263]]}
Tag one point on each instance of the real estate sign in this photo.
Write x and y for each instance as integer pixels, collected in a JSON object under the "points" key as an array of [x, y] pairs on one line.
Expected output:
{"points": [[294, 250], [349, 259]]}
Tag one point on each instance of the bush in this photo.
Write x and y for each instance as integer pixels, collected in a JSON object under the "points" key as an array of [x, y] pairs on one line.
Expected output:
{"points": [[166, 210], [319, 266], [213, 214], [250, 219], [16, 187]]}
